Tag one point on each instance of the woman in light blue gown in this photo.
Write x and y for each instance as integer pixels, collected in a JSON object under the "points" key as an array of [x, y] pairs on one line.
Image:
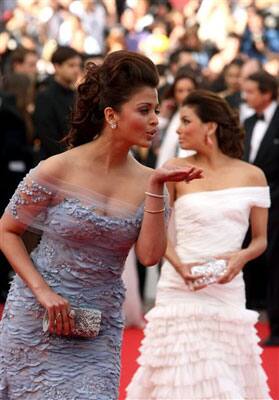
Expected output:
{"points": [[89, 205]]}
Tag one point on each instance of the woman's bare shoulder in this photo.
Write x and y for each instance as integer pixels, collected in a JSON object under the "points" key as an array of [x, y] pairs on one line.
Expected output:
{"points": [[55, 166], [253, 175]]}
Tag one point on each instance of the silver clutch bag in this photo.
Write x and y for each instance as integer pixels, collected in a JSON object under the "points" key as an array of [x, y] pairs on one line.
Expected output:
{"points": [[87, 322], [212, 271]]}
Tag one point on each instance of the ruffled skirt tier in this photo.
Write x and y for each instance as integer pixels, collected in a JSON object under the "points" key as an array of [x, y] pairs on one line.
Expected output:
{"points": [[199, 352]]}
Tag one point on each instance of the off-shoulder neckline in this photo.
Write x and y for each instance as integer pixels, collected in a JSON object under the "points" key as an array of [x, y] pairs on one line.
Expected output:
{"points": [[219, 190], [69, 190]]}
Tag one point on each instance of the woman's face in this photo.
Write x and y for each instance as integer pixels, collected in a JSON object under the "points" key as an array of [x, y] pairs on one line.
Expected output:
{"points": [[232, 77], [182, 88], [137, 120], [191, 131]]}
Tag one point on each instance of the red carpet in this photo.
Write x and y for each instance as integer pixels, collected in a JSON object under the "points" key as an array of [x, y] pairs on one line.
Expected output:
{"points": [[132, 339]]}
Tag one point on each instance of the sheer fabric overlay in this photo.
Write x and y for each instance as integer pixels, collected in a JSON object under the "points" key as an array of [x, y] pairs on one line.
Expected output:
{"points": [[39, 192]]}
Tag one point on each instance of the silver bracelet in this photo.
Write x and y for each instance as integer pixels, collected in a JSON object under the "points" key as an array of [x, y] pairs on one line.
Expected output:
{"points": [[154, 212], [158, 196]]}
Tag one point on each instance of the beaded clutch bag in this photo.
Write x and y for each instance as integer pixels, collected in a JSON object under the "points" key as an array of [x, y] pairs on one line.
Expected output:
{"points": [[87, 322], [211, 271]]}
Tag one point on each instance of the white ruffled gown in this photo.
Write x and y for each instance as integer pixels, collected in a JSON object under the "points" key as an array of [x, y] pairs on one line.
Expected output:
{"points": [[203, 345]]}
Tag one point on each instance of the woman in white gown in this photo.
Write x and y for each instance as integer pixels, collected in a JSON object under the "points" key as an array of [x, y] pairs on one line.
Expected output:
{"points": [[202, 344]]}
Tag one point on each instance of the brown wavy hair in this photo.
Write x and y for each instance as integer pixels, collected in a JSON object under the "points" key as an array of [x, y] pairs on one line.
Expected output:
{"points": [[210, 107], [111, 84]]}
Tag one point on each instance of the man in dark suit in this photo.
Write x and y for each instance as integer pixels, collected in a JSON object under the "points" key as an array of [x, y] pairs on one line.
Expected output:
{"points": [[53, 104], [262, 149]]}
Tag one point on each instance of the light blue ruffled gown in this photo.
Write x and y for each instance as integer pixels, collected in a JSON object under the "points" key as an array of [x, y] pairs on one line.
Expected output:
{"points": [[80, 255]]}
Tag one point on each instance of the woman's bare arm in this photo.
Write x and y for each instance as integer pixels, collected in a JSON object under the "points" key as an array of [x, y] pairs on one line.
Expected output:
{"points": [[152, 241], [12, 245]]}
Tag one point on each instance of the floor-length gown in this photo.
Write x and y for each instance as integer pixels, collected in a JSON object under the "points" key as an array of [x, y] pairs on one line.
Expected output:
{"points": [[81, 256], [203, 345]]}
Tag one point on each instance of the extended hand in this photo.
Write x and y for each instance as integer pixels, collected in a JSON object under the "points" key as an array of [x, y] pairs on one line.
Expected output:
{"points": [[170, 173]]}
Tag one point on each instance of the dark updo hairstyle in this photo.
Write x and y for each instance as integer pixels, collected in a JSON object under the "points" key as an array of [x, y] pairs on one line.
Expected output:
{"points": [[111, 84], [210, 107]]}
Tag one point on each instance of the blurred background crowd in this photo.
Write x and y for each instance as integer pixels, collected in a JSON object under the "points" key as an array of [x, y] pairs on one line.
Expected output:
{"points": [[45, 46]]}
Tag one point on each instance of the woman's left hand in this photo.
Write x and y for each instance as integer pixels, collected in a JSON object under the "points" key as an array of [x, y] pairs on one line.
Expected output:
{"points": [[235, 263]]}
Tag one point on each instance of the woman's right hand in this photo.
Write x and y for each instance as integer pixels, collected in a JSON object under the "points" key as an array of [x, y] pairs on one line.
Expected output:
{"points": [[58, 308], [184, 270]]}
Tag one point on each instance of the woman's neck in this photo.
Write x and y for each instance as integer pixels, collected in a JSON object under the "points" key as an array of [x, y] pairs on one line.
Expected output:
{"points": [[108, 152], [213, 159]]}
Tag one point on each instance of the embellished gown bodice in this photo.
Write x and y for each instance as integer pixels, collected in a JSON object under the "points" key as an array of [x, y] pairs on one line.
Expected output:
{"points": [[82, 253]]}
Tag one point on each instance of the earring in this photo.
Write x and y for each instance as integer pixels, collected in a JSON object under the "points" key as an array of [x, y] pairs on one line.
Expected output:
{"points": [[113, 125]]}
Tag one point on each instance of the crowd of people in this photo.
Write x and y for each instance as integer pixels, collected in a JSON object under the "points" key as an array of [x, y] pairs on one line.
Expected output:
{"points": [[78, 88], [156, 28]]}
